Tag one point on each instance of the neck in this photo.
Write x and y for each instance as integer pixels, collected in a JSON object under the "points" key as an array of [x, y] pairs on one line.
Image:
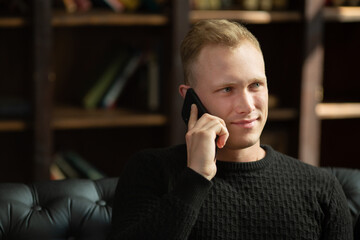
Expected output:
{"points": [[248, 154]]}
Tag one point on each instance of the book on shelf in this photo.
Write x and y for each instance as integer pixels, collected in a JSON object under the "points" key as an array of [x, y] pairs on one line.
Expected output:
{"points": [[69, 164], [109, 100], [142, 90], [250, 4], [131, 80], [65, 167], [280, 4], [118, 6], [70, 5], [115, 5], [83, 5], [94, 96], [131, 5], [56, 173], [83, 167], [205, 4], [353, 2], [265, 5]]}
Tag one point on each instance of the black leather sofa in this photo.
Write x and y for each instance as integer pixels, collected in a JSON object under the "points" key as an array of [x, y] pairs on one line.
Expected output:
{"points": [[81, 209]]}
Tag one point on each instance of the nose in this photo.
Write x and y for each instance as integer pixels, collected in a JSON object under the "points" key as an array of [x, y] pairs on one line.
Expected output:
{"points": [[245, 103]]}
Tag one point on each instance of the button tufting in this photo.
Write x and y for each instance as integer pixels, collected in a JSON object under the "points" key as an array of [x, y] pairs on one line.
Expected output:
{"points": [[37, 208], [101, 203]]}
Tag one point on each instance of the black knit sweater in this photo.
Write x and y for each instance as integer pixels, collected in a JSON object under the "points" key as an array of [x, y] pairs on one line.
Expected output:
{"points": [[277, 197]]}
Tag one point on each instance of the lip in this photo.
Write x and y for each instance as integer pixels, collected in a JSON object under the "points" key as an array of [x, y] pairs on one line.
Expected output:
{"points": [[245, 123]]}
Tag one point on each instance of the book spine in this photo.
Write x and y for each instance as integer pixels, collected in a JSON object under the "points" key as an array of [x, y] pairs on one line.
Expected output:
{"points": [[115, 5], [70, 6], [65, 167], [83, 167], [56, 173], [94, 96], [83, 5], [113, 94], [250, 4]]}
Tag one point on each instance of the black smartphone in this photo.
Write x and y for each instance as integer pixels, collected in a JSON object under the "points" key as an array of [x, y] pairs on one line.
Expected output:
{"points": [[192, 98]]}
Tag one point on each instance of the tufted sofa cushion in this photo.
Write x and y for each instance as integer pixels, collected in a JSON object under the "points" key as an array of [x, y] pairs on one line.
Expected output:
{"points": [[81, 209], [68, 209]]}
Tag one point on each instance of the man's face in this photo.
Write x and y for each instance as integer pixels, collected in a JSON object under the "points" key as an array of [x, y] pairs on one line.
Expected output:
{"points": [[232, 85]]}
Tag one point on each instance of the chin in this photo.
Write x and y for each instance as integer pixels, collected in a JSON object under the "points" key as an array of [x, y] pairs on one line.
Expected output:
{"points": [[243, 139], [242, 143]]}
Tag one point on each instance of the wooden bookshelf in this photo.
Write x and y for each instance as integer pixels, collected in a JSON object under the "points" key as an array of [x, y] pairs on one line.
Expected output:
{"points": [[79, 118], [12, 125], [338, 110], [255, 17], [298, 114], [342, 14], [12, 22], [106, 18]]}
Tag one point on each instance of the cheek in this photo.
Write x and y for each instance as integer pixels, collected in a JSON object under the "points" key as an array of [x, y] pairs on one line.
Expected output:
{"points": [[261, 103], [261, 100], [219, 107]]}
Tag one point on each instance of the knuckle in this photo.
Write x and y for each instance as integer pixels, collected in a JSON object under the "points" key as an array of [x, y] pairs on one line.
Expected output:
{"points": [[201, 133], [188, 135]]}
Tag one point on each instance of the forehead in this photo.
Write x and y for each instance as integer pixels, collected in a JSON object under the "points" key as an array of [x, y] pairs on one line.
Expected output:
{"points": [[222, 61]]}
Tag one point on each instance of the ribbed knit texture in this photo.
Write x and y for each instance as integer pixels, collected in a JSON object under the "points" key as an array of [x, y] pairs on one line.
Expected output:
{"points": [[277, 197]]}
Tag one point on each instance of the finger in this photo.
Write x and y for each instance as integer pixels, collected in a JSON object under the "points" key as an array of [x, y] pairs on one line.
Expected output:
{"points": [[193, 116], [218, 127], [222, 137]]}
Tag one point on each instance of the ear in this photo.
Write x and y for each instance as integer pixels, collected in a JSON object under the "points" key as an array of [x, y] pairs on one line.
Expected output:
{"points": [[183, 89]]}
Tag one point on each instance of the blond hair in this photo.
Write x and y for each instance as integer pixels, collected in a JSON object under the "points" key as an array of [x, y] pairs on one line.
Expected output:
{"points": [[205, 32]]}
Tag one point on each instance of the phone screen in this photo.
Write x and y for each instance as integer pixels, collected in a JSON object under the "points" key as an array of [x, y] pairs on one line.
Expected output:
{"points": [[192, 98]]}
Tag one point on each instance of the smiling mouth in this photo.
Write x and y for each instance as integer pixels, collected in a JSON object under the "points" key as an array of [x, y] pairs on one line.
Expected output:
{"points": [[245, 123]]}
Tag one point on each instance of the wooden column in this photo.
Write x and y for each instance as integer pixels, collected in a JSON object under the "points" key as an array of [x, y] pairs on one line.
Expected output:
{"points": [[42, 82], [312, 75], [180, 26]]}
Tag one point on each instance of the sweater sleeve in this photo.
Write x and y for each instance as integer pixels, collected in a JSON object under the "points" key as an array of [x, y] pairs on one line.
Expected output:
{"points": [[145, 208], [338, 223]]}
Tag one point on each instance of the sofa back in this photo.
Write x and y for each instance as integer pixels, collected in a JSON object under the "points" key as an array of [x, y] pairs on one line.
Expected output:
{"points": [[81, 209], [67, 209]]}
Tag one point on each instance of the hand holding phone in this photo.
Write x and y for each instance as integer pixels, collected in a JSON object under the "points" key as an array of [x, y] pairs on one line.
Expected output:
{"points": [[202, 132]]}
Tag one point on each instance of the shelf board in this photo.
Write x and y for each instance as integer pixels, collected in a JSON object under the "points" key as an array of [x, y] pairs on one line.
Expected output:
{"points": [[12, 125], [12, 22], [342, 14], [106, 18], [256, 17], [338, 110], [282, 114], [78, 118]]}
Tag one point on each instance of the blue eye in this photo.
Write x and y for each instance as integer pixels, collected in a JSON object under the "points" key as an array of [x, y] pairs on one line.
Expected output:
{"points": [[227, 89], [256, 85]]}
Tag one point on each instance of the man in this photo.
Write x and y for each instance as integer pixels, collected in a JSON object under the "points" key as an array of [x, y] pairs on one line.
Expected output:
{"points": [[242, 190]]}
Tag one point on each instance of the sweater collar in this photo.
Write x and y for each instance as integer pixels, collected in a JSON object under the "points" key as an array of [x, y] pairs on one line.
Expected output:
{"points": [[248, 166]]}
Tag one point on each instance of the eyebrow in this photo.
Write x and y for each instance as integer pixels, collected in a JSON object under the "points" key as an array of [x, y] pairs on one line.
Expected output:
{"points": [[232, 83]]}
